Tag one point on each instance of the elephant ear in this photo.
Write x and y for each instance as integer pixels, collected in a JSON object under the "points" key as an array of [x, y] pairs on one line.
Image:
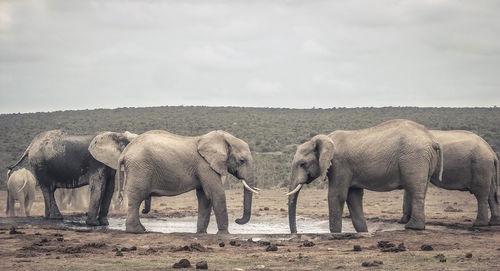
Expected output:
{"points": [[214, 149], [324, 151], [106, 147]]}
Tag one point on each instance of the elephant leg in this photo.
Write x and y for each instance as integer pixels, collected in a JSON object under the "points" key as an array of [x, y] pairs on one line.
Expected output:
{"points": [[336, 199], [137, 191], [355, 206], [482, 210], [11, 204], [493, 201], [406, 209], [416, 181], [97, 186], [28, 203], [204, 209], [106, 200], [51, 210], [22, 204]]}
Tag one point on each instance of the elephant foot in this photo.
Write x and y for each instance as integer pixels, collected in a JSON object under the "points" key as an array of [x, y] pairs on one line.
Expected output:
{"points": [[223, 232], [92, 222], [201, 231], [412, 225], [480, 223], [404, 219], [139, 228], [494, 221], [103, 221], [55, 217]]}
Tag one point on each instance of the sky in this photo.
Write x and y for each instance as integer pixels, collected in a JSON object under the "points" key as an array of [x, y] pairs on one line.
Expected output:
{"points": [[81, 54]]}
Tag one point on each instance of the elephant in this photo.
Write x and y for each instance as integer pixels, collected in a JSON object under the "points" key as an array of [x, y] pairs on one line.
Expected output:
{"points": [[396, 154], [159, 163], [20, 186], [470, 164], [62, 160]]}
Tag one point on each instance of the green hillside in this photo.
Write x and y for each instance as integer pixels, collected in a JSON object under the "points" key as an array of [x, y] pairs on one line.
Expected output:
{"points": [[272, 133]]}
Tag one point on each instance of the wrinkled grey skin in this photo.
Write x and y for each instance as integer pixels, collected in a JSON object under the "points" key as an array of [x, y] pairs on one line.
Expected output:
{"points": [[470, 164], [20, 186], [158, 163], [397, 154], [61, 160]]}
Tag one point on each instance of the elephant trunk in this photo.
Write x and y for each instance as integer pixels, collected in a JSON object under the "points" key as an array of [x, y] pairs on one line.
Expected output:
{"points": [[292, 207], [247, 207]]}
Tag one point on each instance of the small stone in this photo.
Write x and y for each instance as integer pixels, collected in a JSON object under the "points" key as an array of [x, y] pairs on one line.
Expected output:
{"points": [[282, 210], [234, 243], [272, 248], [330, 249], [118, 253], [266, 208], [202, 265], [133, 248], [260, 266], [426, 248], [114, 249], [468, 255], [308, 244], [221, 244], [184, 263], [57, 257], [357, 248], [60, 239]]}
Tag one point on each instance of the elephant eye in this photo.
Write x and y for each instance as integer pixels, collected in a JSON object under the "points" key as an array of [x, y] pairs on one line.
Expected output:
{"points": [[242, 161], [303, 164]]}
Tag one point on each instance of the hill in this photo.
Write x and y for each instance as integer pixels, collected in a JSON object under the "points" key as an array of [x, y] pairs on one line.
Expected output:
{"points": [[272, 133]]}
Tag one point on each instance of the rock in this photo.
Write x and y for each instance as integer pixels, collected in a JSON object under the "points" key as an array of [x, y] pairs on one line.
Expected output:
{"points": [[468, 255], [441, 258], [14, 231], [60, 239], [221, 244], [357, 248], [307, 244], [202, 265], [266, 208], [118, 253], [234, 243], [264, 243], [426, 248], [272, 248], [57, 257], [183, 263], [133, 248], [282, 210], [115, 249], [370, 264], [330, 249]]}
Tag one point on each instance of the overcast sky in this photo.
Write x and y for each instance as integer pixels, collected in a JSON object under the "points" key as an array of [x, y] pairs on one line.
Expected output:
{"points": [[60, 55]]}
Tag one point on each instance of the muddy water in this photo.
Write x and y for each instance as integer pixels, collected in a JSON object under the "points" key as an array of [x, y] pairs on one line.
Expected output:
{"points": [[258, 225], [269, 224]]}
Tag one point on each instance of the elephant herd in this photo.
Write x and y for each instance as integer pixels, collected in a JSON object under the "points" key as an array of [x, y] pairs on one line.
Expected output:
{"points": [[397, 154]]}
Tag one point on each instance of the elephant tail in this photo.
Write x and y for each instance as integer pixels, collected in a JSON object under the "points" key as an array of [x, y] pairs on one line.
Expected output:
{"points": [[495, 181], [10, 168], [439, 149], [120, 179], [24, 184], [8, 202]]}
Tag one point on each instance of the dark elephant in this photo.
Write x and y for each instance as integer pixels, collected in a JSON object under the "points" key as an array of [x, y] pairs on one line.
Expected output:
{"points": [[61, 160]]}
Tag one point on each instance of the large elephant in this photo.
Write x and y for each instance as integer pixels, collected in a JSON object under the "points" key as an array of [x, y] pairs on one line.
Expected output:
{"points": [[61, 160], [397, 154], [470, 164], [20, 186], [159, 163]]}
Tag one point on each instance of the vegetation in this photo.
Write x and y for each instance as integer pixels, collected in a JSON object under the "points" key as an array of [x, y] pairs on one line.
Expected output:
{"points": [[272, 133]]}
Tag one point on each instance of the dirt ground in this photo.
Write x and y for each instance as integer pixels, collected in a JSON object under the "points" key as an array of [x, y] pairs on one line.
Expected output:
{"points": [[448, 243]]}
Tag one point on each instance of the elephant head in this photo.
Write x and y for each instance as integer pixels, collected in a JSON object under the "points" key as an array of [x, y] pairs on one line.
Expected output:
{"points": [[227, 154], [106, 147], [312, 160]]}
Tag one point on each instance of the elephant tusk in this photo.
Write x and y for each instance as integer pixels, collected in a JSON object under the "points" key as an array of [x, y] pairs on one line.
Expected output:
{"points": [[295, 190], [249, 188], [258, 189]]}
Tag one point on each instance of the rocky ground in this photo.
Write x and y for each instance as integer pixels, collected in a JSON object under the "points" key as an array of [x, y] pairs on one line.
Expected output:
{"points": [[448, 243]]}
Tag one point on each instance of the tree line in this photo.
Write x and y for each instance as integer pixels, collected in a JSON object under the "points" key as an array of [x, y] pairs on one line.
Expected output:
{"points": [[272, 133]]}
